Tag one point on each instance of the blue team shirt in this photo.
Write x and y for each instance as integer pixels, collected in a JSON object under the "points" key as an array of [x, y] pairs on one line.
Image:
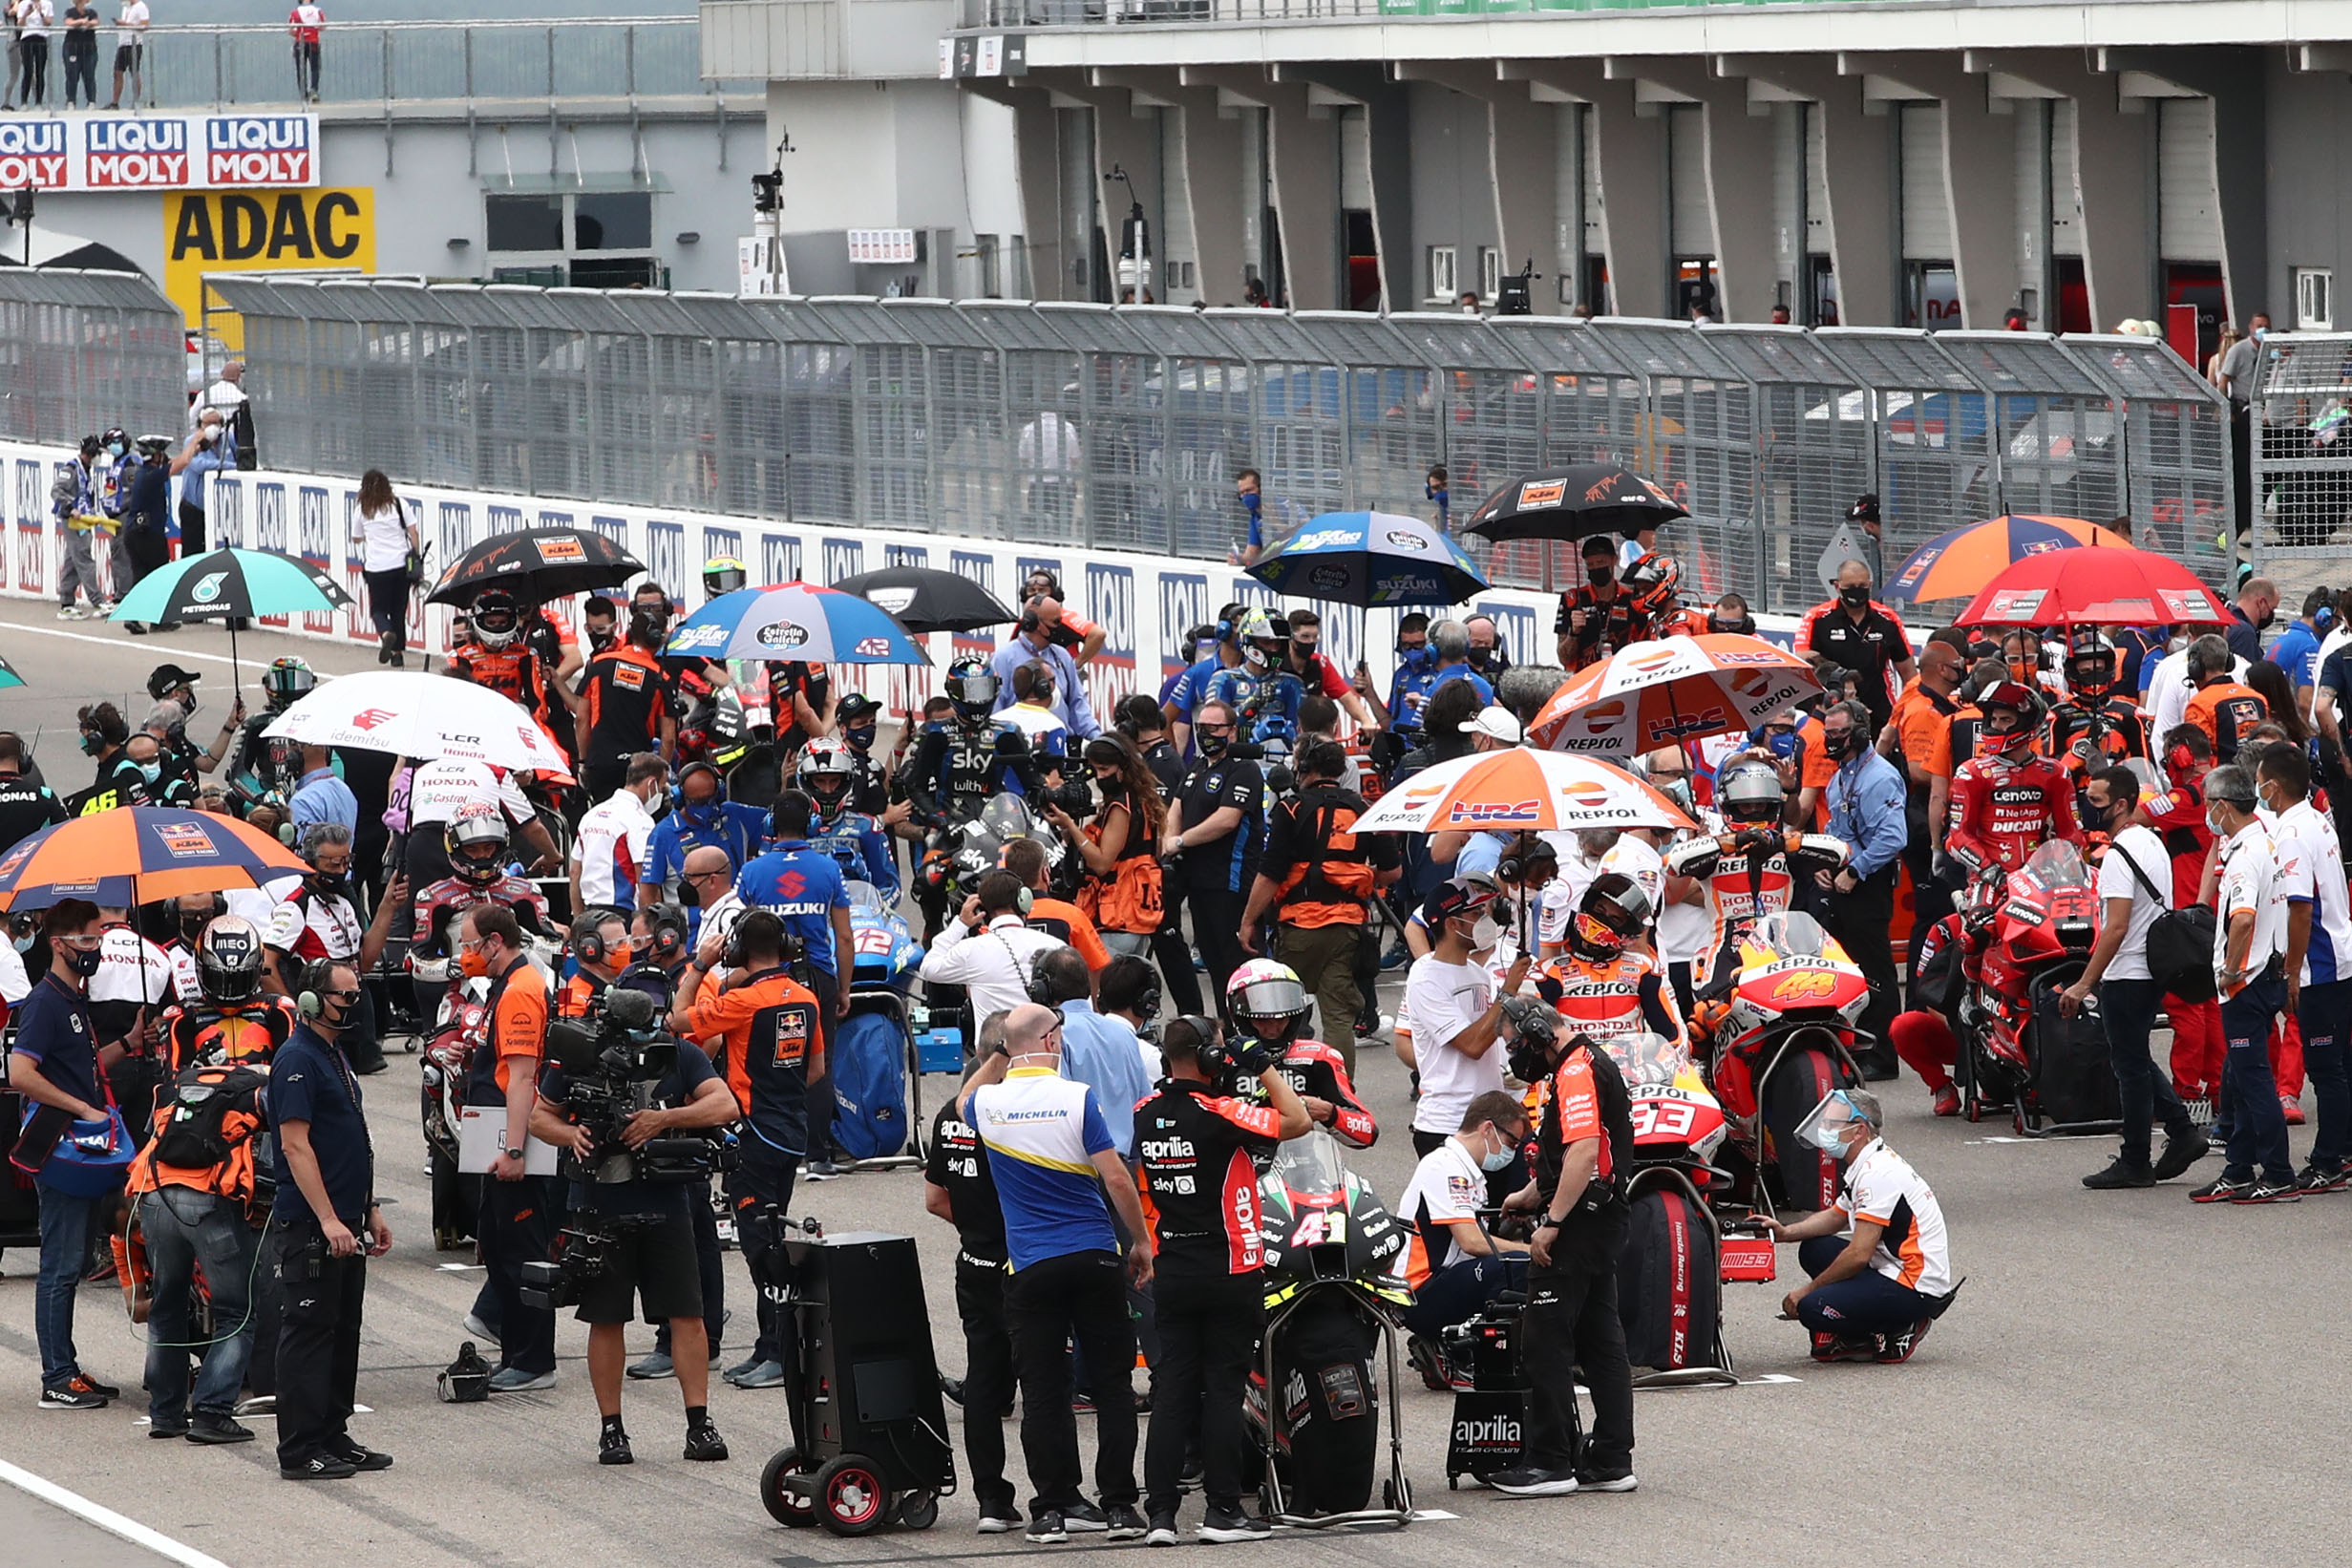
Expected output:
{"points": [[802, 885], [2297, 652], [310, 1082], [738, 829], [860, 847], [1192, 687], [54, 1034], [1042, 1132], [1463, 673]]}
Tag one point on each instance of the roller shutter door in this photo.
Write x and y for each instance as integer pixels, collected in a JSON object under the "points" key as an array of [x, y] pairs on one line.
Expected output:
{"points": [[1693, 221], [2065, 188], [2188, 205], [1927, 213]]}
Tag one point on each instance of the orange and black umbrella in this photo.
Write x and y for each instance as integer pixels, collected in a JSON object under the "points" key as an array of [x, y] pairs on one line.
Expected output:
{"points": [[136, 854], [1958, 562]]}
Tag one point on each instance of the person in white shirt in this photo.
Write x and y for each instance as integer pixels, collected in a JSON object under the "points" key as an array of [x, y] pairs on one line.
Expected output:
{"points": [[2250, 944], [1450, 1264], [987, 948], [33, 18], [2170, 689], [130, 46], [608, 854], [2135, 878], [2319, 964], [1456, 1011]]}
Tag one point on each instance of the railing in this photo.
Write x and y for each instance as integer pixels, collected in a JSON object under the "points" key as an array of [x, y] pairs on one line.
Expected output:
{"points": [[383, 63], [82, 352], [1071, 13]]}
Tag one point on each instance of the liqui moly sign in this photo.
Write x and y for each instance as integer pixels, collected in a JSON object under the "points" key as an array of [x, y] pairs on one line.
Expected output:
{"points": [[148, 152]]}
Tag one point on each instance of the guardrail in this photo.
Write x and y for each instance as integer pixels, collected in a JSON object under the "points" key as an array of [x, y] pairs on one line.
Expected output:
{"points": [[1073, 14]]}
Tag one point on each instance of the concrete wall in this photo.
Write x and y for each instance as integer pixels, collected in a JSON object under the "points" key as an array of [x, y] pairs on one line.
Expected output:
{"points": [[2309, 158], [1452, 185]]}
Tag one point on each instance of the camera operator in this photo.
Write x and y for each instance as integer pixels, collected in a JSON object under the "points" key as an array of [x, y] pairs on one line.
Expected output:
{"points": [[1196, 1140], [516, 1223], [958, 1188], [328, 1225], [1582, 1149], [768, 1030], [647, 1243]]}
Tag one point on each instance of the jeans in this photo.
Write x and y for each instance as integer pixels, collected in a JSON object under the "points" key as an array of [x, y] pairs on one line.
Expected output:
{"points": [[987, 1378], [1459, 1291], [2325, 1013], [36, 69], [1868, 1304], [517, 1226], [67, 1224], [2127, 1011], [81, 66], [2249, 1093], [1208, 1328], [1572, 1321], [318, 1347], [1082, 1293], [764, 1179], [185, 1228]]}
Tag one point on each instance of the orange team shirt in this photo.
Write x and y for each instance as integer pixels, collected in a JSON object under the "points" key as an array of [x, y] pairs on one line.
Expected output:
{"points": [[1924, 734], [2226, 701], [1576, 1101], [1060, 918], [730, 1016], [1815, 769], [518, 1019]]}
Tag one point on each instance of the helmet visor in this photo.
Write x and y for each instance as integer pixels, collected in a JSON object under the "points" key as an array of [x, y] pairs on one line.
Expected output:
{"points": [[1273, 998]]}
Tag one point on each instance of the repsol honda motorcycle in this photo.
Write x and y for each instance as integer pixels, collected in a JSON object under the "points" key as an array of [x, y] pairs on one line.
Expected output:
{"points": [[460, 1030], [1786, 1036]]}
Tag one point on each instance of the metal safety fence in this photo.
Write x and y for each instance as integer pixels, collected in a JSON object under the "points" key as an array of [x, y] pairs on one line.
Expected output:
{"points": [[83, 352], [1124, 427], [2297, 435]]}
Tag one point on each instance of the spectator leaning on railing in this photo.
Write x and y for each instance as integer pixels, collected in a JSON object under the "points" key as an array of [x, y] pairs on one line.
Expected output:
{"points": [[130, 46]]}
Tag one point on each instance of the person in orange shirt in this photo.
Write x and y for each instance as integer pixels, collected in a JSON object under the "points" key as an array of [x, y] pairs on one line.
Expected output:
{"points": [[2222, 706], [1918, 739], [516, 1223], [765, 1026], [1057, 918], [600, 940]]}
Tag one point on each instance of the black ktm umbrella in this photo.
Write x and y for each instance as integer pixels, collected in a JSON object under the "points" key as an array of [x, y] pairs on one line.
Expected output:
{"points": [[1575, 503], [538, 564], [926, 599]]}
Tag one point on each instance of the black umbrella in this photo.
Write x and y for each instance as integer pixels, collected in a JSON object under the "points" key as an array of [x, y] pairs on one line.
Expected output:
{"points": [[926, 599], [1575, 503], [538, 564]]}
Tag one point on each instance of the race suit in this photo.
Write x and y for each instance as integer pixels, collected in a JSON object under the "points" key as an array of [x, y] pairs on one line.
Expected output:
{"points": [[1609, 998], [2087, 735], [1609, 625], [1314, 1068], [1747, 874], [438, 911], [2002, 811], [860, 848], [1265, 708], [958, 769], [248, 1033], [514, 673]]}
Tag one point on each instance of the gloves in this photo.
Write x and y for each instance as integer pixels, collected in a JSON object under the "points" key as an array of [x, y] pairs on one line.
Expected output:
{"points": [[1012, 742], [1253, 1059]]}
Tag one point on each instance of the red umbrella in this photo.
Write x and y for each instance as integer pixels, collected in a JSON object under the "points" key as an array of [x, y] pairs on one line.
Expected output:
{"points": [[2094, 588]]}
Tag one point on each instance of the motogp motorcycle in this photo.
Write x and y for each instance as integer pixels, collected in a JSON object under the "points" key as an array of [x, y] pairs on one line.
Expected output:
{"points": [[1783, 1038], [2028, 935], [460, 1030]]}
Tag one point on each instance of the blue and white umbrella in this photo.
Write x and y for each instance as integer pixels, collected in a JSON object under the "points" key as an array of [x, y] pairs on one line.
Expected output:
{"points": [[1368, 558], [795, 620]]}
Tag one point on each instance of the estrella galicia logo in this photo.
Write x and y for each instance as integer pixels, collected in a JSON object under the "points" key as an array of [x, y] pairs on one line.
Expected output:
{"points": [[1404, 538], [207, 587], [1327, 578], [782, 634]]}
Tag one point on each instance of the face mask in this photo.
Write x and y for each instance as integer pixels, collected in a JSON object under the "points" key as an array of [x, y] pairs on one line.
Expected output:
{"points": [[1303, 652], [1831, 1140], [192, 927], [2268, 617], [1251, 502], [1214, 747], [114, 448], [2260, 333], [1781, 743], [2213, 822], [1111, 787], [860, 738], [1480, 658], [1601, 577], [600, 641], [336, 1013], [328, 884], [188, 700], [1676, 790], [24, 944], [1486, 933], [1839, 745], [1415, 658], [1857, 593], [151, 772], [472, 963], [1497, 1160], [84, 965], [618, 955], [92, 743]]}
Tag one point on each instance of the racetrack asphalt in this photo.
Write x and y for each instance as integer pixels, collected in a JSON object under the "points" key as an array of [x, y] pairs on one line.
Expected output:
{"points": [[2128, 1379]]}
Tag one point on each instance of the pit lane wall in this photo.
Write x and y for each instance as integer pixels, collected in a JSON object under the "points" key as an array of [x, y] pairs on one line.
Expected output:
{"points": [[1143, 602]]}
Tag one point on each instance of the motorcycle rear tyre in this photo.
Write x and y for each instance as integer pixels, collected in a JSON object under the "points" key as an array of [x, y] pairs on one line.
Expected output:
{"points": [[456, 1200], [1807, 1177], [1667, 1238]]}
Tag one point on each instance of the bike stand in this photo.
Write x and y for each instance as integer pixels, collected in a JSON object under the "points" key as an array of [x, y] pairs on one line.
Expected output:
{"points": [[1396, 1490]]}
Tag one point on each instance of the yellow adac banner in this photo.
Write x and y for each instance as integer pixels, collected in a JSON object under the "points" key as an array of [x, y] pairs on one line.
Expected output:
{"points": [[261, 231]]}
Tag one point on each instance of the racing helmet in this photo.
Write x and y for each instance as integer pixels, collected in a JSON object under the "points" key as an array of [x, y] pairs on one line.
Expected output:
{"points": [[1653, 581], [1613, 912], [476, 839], [286, 681], [1264, 643], [228, 960], [971, 685], [825, 774], [498, 619], [117, 440], [723, 574], [2091, 662], [1748, 793], [1269, 997], [2015, 697]]}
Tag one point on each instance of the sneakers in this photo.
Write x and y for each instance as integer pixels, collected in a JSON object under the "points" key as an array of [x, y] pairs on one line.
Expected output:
{"points": [[1607, 1480], [704, 1443], [2316, 1180], [2221, 1190], [758, 1374], [72, 612], [1946, 1101], [2292, 1109], [998, 1518], [2120, 1175], [2269, 1190], [1047, 1529], [1163, 1531], [1835, 1347], [79, 1394], [2181, 1149], [1084, 1518], [820, 1170], [1893, 1349], [355, 1454], [1224, 1526], [514, 1380], [1524, 1482], [222, 1429], [482, 1331], [1126, 1524], [612, 1448], [167, 1429], [319, 1466], [656, 1364]]}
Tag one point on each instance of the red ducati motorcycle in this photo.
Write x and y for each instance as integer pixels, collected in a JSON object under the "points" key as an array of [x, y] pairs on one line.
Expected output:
{"points": [[2028, 938]]}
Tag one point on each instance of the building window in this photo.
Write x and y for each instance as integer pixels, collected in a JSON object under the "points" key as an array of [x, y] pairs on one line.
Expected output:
{"points": [[1490, 272], [2315, 299], [992, 278], [1442, 283], [587, 239]]}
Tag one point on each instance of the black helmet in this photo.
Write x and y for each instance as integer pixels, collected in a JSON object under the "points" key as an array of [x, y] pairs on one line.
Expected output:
{"points": [[476, 839], [1652, 581], [286, 681], [2091, 662], [228, 960], [498, 619], [1613, 912], [971, 685], [1749, 793]]}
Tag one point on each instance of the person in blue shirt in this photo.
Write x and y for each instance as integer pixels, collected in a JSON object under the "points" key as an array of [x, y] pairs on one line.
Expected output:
{"points": [[1098, 1051], [701, 818], [1260, 687], [1416, 673], [320, 797], [804, 886], [1856, 904], [1449, 647], [1034, 640], [1192, 687], [2297, 651], [210, 449], [828, 775]]}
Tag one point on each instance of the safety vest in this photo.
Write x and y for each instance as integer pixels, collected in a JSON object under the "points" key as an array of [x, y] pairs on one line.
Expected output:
{"points": [[1333, 875]]}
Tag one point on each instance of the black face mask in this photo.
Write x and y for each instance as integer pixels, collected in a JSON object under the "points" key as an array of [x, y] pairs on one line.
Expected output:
{"points": [[1855, 594], [689, 897], [84, 965], [192, 927], [1111, 787], [336, 1013], [1213, 746], [1481, 658], [1601, 577], [860, 737], [330, 884], [601, 639], [1838, 745]]}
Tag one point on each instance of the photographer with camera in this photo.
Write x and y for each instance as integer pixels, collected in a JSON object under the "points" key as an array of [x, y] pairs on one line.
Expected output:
{"points": [[629, 1105], [767, 1027], [1197, 1139]]}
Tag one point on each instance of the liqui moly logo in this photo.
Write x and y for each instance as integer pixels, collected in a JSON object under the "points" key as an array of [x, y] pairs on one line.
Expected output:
{"points": [[135, 154], [32, 153], [260, 150]]}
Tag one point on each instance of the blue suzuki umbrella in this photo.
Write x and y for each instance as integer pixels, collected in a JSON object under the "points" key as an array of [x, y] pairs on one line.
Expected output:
{"points": [[795, 620], [1368, 558]]}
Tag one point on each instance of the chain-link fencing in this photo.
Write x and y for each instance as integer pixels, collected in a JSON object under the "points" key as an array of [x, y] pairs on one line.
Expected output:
{"points": [[83, 352], [2298, 440], [1124, 427]]}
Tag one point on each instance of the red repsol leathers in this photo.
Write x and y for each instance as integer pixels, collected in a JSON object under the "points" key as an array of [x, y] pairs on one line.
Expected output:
{"points": [[1751, 874], [1315, 1070], [2003, 808], [440, 904], [1611, 997], [1195, 1150]]}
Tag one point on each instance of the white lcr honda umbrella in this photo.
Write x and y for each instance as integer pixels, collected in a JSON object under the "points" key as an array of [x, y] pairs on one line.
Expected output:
{"points": [[413, 713], [1521, 790]]}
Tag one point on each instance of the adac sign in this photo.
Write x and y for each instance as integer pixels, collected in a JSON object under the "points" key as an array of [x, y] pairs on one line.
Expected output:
{"points": [[263, 231]]}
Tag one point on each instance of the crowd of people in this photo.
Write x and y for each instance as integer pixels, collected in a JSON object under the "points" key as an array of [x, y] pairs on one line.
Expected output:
{"points": [[1114, 1109]]}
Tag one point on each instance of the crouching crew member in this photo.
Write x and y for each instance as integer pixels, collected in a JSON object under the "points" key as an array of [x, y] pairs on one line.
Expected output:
{"points": [[1453, 1266]]}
